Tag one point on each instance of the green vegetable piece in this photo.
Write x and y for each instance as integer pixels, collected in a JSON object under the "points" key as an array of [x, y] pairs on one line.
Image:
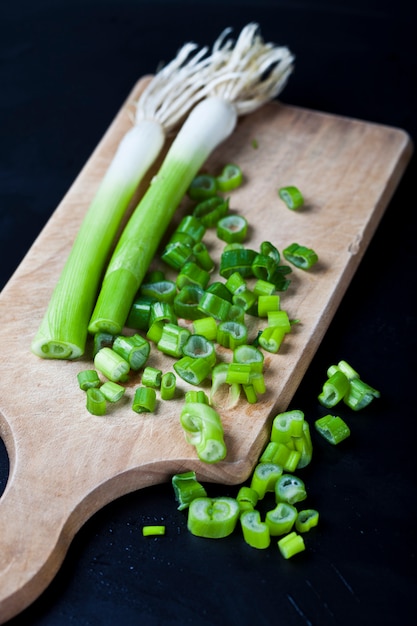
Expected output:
{"points": [[334, 389], [204, 430], [213, 518], [306, 519], [332, 428], [281, 519], [113, 392], [96, 402], [193, 369], [232, 334], [247, 498], [152, 377], [112, 365], [230, 178], [186, 302], [232, 229], [202, 187], [265, 477], [173, 339], [153, 530], [198, 347], [300, 256], [87, 379], [144, 400], [360, 394], [290, 489], [210, 211], [187, 488], [287, 425], [163, 290], [292, 197], [135, 350], [291, 544], [255, 532], [168, 386]]}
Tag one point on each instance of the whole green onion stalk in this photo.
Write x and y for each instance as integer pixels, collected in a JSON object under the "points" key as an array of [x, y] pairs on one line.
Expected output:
{"points": [[253, 73], [166, 100]]}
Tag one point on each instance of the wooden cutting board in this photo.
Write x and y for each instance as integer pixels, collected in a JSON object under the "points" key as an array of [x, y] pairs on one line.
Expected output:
{"points": [[66, 464]]}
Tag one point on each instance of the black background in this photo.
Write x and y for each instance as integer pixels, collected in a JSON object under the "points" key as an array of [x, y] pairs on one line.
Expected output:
{"points": [[65, 69]]}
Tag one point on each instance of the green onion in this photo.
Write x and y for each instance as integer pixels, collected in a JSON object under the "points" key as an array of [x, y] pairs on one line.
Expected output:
{"points": [[173, 91], [220, 290], [236, 260], [192, 274], [144, 400], [186, 302], [135, 350], [203, 429], [292, 197], [111, 365], [153, 530], [300, 256], [210, 122], [202, 256], [206, 327], [332, 428], [87, 379], [186, 489], [247, 498], [152, 377], [202, 187], [238, 373], [173, 339], [199, 347], [215, 306], [281, 519], [263, 288], [192, 227], [291, 544], [163, 290], [139, 314], [290, 489], [264, 478], [102, 340], [271, 337], [210, 211], [218, 383], [113, 392], [268, 303], [96, 402], [249, 354], [168, 386], [306, 519], [255, 533], [287, 425], [193, 370], [213, 518], [230, 178], [232, 228], [196, 395], [232, 334], [359, 395], [177, 254], [334, 389]]}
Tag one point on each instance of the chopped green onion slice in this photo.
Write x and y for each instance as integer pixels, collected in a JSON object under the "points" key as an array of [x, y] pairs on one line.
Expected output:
{"points": [[291, 544], [268, 303], [264, 478], [199, 347], [168, 386], [290, 489], [218, 383], [306, 519], [263, 267], [268, 249], [220, 290], [300, 256], [186, 489], [153, 530], [347, 370], [206, 327], [152, 377], [263, 288], [332, 428], [204, 430], [292, 197], [232, 334], [87, 379], [305, 446], [163, 290], [176, 254], [232, 228], [173, 339], [144, 400], [111, 365], [213, 518], [214, 305], [210, 211], [247, 498], [192, 274], [113, 392], [245, 299], [102, 340], [279, 319], [334, 389], [271, 337], [193, 370], [359, 395], [238, 373], [255, 532], [186, 302], [202, 256], [236, 283], [196, 395], [249, 354], [135, 350], [286, 425], [96, 402], [281, 519], [230, 178], [191, 226], [139, 314], [202, 187], [237, 260]]}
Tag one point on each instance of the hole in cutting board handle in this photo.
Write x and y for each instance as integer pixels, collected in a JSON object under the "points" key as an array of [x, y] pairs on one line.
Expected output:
{"points": [[4, 466]]}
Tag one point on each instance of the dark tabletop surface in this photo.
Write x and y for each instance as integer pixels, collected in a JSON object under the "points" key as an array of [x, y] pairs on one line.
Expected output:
{"points": [[65, 69]]}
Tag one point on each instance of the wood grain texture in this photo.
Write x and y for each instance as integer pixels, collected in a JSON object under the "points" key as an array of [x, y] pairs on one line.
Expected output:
{"points": [[66, 464]]}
